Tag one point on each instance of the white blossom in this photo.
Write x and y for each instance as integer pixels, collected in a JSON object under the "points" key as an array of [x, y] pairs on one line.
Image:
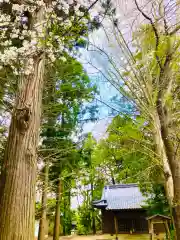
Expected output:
{"points": [[14, 35], [17, 7], [6, 1], [40, 3], [35, 40]]}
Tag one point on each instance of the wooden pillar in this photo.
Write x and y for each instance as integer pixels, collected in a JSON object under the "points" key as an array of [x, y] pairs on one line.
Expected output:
{"points": [[167, 230], [116, 225], [149, 228], [153, 235]]}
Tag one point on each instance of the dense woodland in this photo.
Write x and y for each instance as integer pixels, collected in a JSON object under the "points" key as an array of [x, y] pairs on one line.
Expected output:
{"points": [[47, 97]]}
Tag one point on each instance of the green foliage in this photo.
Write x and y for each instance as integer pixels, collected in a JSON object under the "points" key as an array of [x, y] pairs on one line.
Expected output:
{"points": [[124, 155], [51, 203], [67, 88], [148, 62], [70, 87], [157, 202], [51, 229], [87, 149], [84, 219], [91, 184], [38, 210], [65, 208]]}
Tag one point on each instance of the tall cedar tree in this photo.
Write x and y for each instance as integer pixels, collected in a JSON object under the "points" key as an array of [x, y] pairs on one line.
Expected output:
{"points": [[67, 87]]}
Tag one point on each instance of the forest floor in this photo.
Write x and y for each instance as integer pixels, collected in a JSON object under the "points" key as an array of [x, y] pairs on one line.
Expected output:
{"points": [[107, 237]]}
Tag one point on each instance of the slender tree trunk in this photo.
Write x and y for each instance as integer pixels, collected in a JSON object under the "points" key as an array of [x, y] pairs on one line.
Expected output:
{"points": [[18, 178], [113, 181], [64, 214], [57, 213], [69, 210], [93, 221], [42, 223], [64, 208], [93, 212], [112, 176], [48, 97], [67, 227]]}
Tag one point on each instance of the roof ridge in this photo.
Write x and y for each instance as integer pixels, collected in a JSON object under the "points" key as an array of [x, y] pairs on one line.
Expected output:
{"points": [[122, 196], [128, 185]]}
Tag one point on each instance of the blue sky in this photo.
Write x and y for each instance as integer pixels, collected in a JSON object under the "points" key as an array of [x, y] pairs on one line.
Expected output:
{"points": [[107, 91], [97, 67]]}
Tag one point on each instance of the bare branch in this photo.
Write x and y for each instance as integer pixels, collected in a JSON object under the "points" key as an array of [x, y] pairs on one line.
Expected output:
{"points": [[154, 29]]}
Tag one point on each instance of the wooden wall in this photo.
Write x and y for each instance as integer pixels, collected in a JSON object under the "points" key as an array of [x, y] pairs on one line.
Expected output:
{"points": [[127, 219], [108, 222]]}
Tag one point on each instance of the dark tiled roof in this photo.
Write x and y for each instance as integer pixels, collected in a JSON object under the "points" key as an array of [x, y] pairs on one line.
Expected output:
{"points": [[121, 196]]}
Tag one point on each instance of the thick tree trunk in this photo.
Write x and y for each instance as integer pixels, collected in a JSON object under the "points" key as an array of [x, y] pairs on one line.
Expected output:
{"points": [[18, 178], [160, 149], [42, 223], [57, 213], [173, 163], [171, 170]]}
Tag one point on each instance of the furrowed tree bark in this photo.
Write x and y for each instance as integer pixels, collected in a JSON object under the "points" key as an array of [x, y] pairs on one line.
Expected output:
{"points": [[57, 213], [18, 177], [42, 223]]}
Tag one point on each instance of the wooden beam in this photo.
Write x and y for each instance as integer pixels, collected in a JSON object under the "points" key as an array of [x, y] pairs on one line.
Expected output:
{"points": [[116, 226]]}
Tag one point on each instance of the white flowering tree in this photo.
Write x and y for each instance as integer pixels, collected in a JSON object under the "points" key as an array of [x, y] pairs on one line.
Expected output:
{"points": [[32, 34]]}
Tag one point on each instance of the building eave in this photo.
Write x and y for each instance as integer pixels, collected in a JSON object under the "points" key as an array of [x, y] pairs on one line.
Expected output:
{"points": [[100, 204]]}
